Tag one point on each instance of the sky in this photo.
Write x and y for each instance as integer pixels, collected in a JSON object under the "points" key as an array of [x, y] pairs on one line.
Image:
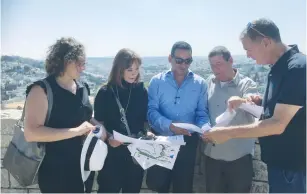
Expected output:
{"points": [[29, 27]]}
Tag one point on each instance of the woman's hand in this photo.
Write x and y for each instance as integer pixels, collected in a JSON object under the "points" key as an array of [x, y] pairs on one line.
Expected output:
{"points": [[150, 134], [84, 128], [114, 143], [104, 134]]}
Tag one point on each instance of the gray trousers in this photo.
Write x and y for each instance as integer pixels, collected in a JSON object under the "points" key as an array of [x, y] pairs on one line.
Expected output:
{"points": [[229, 177]]}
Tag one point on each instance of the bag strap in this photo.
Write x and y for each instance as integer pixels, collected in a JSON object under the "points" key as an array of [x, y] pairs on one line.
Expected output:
{"points": [[122, 112], [50, 102], [85, 94]]}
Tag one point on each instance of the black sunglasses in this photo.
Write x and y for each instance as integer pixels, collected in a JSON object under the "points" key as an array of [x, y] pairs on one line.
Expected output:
{"points": [[179, 60], [251, 26]]}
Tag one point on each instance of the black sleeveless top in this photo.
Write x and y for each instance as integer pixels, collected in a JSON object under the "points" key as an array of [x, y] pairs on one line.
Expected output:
{"points": [[106, 108], [68, 111]]}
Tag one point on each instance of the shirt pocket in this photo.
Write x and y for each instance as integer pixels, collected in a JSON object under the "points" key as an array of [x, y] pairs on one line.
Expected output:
{"points": [[190, 98]]}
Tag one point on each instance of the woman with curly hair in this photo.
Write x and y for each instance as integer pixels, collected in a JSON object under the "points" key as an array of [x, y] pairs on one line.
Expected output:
{"points": [[69, 120]]}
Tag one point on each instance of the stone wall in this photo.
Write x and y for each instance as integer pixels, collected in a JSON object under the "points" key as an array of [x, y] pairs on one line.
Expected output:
{"points": [[9, 184]]}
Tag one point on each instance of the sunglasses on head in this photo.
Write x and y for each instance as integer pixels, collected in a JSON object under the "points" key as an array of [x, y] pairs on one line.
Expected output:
{"points": [[250, 26], [179, 60]]}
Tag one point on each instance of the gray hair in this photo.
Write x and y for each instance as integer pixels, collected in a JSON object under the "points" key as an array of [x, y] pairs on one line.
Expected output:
{"points": [[64, 51], [261, 28]]}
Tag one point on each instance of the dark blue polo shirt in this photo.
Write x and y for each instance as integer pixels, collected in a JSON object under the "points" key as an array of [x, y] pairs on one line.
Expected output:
{"points": [[286, 85]]}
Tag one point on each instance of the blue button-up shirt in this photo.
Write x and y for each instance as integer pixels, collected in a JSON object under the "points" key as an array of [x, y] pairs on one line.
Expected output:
{"points": [[169, 103]]}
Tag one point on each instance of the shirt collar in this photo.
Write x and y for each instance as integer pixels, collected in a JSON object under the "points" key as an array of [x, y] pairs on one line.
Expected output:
{"points": [[189, 74], [235, 80], [288, 54]]}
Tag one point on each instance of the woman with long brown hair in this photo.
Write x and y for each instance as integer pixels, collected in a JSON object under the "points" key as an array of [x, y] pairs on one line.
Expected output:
{"points": [[119, 171]]}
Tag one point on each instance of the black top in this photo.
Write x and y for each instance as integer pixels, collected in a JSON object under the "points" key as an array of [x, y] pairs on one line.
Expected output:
{"points": [[106, 109], [68, 111], [286, 85]]}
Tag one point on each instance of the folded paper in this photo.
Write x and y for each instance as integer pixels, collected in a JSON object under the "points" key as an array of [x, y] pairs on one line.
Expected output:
{"points": [[162, 151]]}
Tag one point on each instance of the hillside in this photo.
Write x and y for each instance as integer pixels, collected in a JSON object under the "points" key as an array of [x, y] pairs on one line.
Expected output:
{"points": [[18, 72]]}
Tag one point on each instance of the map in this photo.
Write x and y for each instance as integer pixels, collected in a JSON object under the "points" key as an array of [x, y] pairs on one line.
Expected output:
{"points": [[162, 152], [149, 154]]}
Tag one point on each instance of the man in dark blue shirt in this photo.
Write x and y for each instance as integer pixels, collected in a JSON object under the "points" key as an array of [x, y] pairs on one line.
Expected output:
{"points": [[282, 127]]}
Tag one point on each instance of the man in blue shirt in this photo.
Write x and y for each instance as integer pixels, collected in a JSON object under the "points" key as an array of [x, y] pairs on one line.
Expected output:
{"points": [[179, 95]]}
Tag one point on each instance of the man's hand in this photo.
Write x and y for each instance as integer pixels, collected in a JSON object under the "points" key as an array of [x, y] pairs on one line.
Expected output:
{"points": [[216, 135], [256, 99], [179, 131], [234, 102]]}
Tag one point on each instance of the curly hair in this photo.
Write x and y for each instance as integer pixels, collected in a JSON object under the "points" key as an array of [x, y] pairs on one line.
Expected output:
{"points": [[64, 51]]}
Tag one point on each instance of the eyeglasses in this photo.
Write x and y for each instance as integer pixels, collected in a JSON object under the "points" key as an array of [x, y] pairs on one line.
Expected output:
{"points": [[179, 60], [81, 63], [250, 26]]}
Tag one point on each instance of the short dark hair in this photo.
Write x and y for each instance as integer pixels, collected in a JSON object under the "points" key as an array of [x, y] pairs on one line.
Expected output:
{"points": [[62, 52], [122, 61], [263, 25], [220, 51], [180, 45]]}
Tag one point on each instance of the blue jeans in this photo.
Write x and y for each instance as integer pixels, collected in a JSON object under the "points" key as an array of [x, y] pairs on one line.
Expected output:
{"points": [[286, 181]]}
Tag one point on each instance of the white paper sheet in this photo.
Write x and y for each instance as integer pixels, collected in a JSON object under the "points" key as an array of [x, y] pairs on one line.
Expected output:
{"points": [[225, 118], [123, 138], [173, 140], [163, 151], [149, 154], [252, 109], [193, 128], [206, 127], [170, 156], [189, 127], [144, 163]]}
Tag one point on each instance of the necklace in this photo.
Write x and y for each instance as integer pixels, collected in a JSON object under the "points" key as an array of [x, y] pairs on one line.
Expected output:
{"points": [[128, 98]]}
